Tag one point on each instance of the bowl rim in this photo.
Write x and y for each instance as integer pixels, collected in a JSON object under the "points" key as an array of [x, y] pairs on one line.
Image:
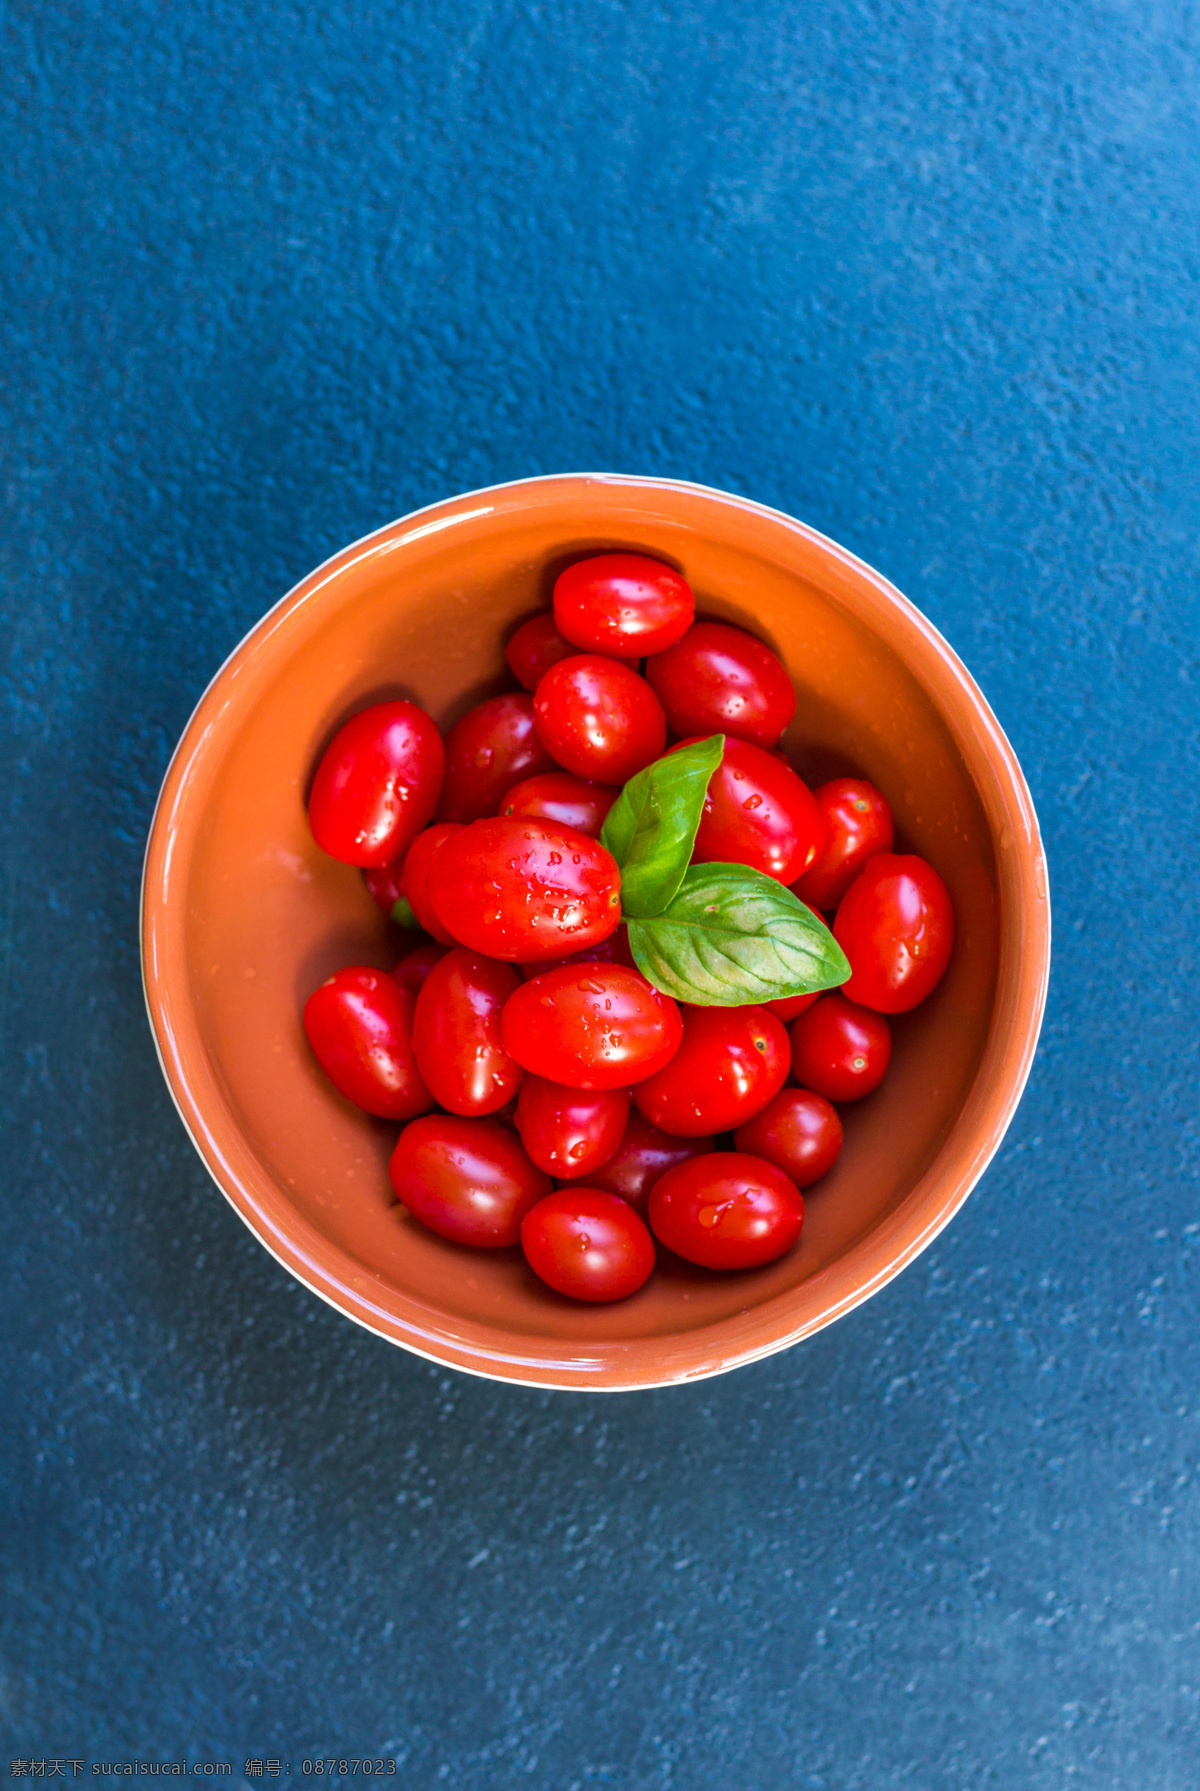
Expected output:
{"points": [[1018, 1005]]}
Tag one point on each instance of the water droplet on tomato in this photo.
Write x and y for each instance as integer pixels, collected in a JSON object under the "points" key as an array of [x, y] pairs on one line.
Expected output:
{"points": [[709, 1216], [752, 802]]}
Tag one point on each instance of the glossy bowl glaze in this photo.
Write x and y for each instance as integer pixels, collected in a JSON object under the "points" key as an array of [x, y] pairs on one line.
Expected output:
{"points": [[243, 915]]}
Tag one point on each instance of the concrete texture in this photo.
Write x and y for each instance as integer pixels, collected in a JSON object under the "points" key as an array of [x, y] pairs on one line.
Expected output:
{"points": [[925, 274]]}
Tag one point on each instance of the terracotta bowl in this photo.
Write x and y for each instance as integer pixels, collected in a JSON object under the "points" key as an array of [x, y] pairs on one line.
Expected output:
{"points": [[243, 915]]}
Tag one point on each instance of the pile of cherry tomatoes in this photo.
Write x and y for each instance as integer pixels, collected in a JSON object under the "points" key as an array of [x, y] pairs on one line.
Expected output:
{"points": [[550, 1094]]}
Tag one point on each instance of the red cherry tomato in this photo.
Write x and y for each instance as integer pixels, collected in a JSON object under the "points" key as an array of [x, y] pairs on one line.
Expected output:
{"points": [[487, 752], [729, 1064], [523, 890], [599, 719], [383, 884], [622, 604], [788, 1007], [467, 1179], [720, 680], [569, 1132], [613, 950], [377, 784], [415, 966], [896, 926], [415, 874], [858, 824], [535, 647], [359, 1024], [587, 1244], [643, 1155], [557, 796], [456, 1033], [598, 1026], [798, 1131], [726, 1211], [757, 812], [840, 1050]]}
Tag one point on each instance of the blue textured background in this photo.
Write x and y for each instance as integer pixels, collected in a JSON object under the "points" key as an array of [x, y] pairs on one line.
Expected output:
{"points": [[925, 273]]}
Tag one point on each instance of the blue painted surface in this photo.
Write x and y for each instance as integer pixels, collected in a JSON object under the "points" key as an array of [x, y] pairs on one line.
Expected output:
{"points": [[925, 274]]}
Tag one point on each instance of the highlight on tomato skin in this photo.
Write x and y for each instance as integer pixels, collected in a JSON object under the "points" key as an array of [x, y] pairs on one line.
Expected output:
{"points": [[467, 1179], [359, 1024], [727, 1211], [535, 647], [623, 604], [588, 1244], [721, 680], [858, 826], [377, 784], [730, 1062], [523, 890], [839, 1049], [493, 747], [595, 1026], [895, 924], [457, 1033]]}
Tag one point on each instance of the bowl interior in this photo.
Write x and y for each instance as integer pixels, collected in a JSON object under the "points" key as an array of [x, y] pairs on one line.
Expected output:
{"points": [[244, 916]]}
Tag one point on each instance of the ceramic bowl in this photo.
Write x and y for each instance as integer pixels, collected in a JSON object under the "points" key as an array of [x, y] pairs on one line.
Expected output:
{"points": [[243, 915]]}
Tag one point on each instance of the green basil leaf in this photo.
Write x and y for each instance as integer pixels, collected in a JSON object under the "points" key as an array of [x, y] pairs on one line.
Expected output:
{"points": [[651, 827], [732, 936], [402, 914]]}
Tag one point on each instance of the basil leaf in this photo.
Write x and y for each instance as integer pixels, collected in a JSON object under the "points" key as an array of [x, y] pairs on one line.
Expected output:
{"points": [[732, 936], [402, 914], [651, 827]]}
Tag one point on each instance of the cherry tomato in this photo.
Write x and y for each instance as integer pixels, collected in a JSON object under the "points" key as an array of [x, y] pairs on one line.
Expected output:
{"points": [[359, 1024], [456, 1033], [720, 680], [377, 784], [896, 925], [726, 1211], [535, 647], [416, 871], [599, 719], [613, 950], [757, 812], [587, 1244], [415, 966], [644, 1154], [557, 796], [788, 1007], [523, 890], [489, 750], [858, 824], [798, 1131], [840, 1050], [730, 1062], [598, 1026], [467, 1179], [622, 604], [383, 884], [569, 1132]]}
